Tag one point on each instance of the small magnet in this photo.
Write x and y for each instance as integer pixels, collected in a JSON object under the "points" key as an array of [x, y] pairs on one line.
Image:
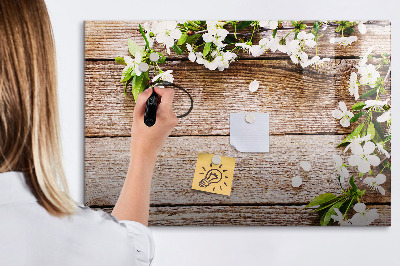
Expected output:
{"points": [[154, 57], [250, 118], [216, 159], [143, 67]]}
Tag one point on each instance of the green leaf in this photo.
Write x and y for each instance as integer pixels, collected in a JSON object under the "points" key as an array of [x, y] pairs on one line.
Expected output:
{"points": [[348, 31], [162, 58], [193, 38], [139, 83], [369, 93], [207, 49], [352, 184], [321, 199], [379, 129], [120, 60], [356, 132], [144, 37], [229, 39], [371, 130], [358, 106], [182, 39], [177, 49], [356, 117], [133, 48], [127, 75], [347, 205], [243, 24], [326, 218], [315, 30], [274, 32]]}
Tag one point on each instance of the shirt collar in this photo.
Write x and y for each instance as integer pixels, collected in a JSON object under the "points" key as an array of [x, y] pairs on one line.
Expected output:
{"points": [[13, 188]]}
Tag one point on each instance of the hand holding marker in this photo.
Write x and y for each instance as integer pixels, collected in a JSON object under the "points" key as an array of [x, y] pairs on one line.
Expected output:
{"points": [[152, 104]]}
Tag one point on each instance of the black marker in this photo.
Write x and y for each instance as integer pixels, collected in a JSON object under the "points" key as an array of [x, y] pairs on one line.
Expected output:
{"points": [[151, 109]]}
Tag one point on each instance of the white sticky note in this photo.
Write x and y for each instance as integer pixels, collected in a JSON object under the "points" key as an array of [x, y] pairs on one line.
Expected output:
{"points": [[249, 137]]}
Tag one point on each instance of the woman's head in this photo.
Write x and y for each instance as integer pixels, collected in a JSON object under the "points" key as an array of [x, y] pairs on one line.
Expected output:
{"points": [[29, 126]]}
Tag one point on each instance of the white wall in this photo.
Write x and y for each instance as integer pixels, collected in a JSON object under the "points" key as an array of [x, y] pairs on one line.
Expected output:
{"points": [[237, 245]]}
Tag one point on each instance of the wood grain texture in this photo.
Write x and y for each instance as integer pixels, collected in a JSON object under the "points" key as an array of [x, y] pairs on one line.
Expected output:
{"points": [[108, 39], [298, 100], [259, 178], [245, 216]]}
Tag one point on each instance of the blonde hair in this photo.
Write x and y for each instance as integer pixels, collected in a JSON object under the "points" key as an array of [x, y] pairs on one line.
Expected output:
{"points": [[29, 123]]}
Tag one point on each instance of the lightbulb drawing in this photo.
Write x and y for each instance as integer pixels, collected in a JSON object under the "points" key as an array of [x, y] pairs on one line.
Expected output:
{"points": [[213, 175]]}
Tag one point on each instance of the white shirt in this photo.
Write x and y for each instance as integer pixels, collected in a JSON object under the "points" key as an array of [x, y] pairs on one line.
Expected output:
{"points": [[29, 235]]}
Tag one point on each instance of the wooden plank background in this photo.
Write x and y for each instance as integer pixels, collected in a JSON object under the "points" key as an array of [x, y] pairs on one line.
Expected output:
{"points": [[299, 101]]}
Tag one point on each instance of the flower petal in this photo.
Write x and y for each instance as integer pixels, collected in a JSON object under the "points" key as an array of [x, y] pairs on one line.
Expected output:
{"points": [[359, 207], [381, 190], [380, 179], [305, 165], [373, 160], [369, 147], [337, 114], [254, 85], [354, 160], [356, 148], [342, 106], [368, 181], [296, 181], [345, 122], [338, 160], [364, 166]]}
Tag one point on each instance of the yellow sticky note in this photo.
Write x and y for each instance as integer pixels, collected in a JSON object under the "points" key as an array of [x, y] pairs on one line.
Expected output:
{"points": [[214, 178]]}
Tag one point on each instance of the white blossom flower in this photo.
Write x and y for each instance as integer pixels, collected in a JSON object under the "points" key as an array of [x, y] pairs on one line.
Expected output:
{"points": [[133, 64], [364, 57], [297, 181], [307, 38], [273, 44], [375, 182], [147, 29], [357, 140], [363, 216], [324, 24], [369, 75], [344, 41], [270, 24], [305, 165], [192, 55], [375, 105], [255, 50], [165, 76], [220, 61], [254, 85], [382, 150], [363, 157], [166, 32], [386, 116], [339, 218], [353, 86], [199, 58], [341, 168], [215, 33], [343, 114], [361, 27]]}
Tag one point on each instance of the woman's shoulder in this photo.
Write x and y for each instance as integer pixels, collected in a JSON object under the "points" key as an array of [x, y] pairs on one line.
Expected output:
{"points": [[138, 235]]}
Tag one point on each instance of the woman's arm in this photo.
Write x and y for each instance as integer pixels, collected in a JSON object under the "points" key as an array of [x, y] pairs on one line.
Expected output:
{"points": [[134, 200]]}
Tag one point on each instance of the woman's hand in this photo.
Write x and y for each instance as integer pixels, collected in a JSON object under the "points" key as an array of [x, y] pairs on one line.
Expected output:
{"points": [[149, 140], [134, 200]]}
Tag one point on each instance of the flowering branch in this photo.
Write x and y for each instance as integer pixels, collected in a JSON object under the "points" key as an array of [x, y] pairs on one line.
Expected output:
{"points": [[210, 44]]}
